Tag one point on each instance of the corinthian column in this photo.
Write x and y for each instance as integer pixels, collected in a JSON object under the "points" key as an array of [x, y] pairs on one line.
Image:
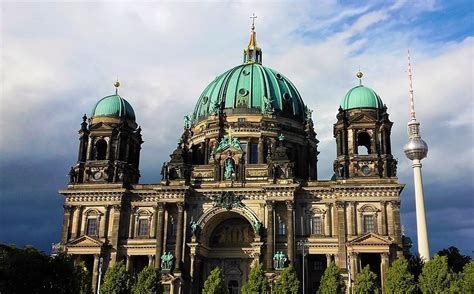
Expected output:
{"points": [[179, 237], [290, 238], [269, 255], [159, 211]]}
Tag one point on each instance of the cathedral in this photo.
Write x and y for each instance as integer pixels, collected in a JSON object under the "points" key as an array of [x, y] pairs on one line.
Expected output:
{"points": [[240, 188]]}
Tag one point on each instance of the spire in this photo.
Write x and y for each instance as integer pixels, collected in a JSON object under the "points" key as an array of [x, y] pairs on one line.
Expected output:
{"points": [[253, 54], [116, 85], [412, 100]]}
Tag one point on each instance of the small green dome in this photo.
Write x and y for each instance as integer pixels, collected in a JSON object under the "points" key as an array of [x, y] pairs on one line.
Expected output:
{"points": [[114, 106], [361, 97], [246, 88]]}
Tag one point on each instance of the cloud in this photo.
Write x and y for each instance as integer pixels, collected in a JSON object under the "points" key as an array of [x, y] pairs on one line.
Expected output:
{"points": [[58, 59]]}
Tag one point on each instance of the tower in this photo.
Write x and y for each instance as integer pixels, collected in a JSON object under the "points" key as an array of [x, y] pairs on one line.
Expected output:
{"points": [[109, 144], [416, 149], [362, 133]]}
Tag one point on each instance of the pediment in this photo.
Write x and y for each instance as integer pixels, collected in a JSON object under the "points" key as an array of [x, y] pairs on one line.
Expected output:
{"points": [[85, 241], [362, 118], [370, 239]]}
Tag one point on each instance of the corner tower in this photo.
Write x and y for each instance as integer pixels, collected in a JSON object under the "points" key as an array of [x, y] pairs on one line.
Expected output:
{"points": [[362, 133], [109, 144]]}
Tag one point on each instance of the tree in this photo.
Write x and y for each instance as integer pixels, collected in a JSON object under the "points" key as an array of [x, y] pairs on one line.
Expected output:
{"points": [[415, 266], [148, 282], [215, 282], [117, 280], [435, 277], [456, 261], [331, 281], [464, 281], [288, 281], [399, 278], [257, 282], [27, 270], [366, 282]]}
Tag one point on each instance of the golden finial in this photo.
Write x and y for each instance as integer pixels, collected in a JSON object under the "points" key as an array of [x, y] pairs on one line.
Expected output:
{"points": [[116, 85], [359, 75]]}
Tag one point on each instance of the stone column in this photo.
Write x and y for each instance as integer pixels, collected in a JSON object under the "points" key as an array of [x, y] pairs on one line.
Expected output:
{"points": [[397, 228], [390, 225], [128, 263], [66, 223], [159, 211], [114, 236], [260, 151], [179, 237], [78, 220], [328, 219], [360, 230], [383, 218], [150, 260], [328, 259], [350, 220], [290, 236], [206, 151], [341, 233], [95, 272], [104, 222], [270, 228], [131, 225], [355, 222], [384, 263]]}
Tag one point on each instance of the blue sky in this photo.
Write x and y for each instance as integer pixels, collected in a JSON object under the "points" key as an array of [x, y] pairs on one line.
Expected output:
{"points": [[59, 58]]}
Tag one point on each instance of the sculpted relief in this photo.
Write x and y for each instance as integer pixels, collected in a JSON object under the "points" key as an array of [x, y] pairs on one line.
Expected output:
{"points": [[235, 232]]}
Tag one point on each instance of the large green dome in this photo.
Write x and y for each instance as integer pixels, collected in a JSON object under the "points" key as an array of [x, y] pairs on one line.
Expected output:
{"points": [[361, 97], [114, 106], [249, 88]]}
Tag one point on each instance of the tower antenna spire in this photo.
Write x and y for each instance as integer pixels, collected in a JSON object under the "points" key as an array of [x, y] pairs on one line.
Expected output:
{"points": [[410, 80]]}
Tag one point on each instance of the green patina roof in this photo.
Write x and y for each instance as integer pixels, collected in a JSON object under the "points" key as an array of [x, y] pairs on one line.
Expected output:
{"points": [[361, 97], [115, 106], [245, 86]]}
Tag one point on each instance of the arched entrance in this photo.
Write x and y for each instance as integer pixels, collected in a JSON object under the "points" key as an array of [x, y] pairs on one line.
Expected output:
{"points": [[227, 240]]}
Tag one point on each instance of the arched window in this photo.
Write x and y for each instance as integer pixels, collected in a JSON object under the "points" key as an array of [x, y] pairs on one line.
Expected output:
{"points": [[368, 218], [369, 223], [101, 149], [92, 218], [363, 140]]}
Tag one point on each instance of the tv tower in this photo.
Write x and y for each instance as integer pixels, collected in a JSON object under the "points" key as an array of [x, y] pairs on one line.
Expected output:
{"points": [[416, 149]]}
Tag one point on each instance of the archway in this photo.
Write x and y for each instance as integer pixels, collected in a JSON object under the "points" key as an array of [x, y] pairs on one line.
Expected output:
{"points": [[226, 241]]}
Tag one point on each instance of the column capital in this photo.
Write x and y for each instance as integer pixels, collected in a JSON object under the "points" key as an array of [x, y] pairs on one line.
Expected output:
{"points": [[159, 206], [340, 204], [383, 202], [117, 207], [270, 204], [395, 204], [106, 206], [67, 208], [180, 206], [289, 204], [384, 255]]}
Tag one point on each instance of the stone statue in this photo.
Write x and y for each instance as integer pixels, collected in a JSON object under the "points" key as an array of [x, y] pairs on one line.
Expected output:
{"points": [[235, 143], [187, 122], [214, 108], [72, 176], [167, 261], [308, 113], [257, 226], [267, 105], [279, 260], [164, 172], [228, 169], [194, 226]]}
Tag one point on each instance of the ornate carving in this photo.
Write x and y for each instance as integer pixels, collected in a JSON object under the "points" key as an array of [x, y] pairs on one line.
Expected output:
{"points": [[180, 206], [227, 200], [194, 226], [289, 205], [269, 205], [340, 204], [395, 204], [257, 226], [117, 207]]}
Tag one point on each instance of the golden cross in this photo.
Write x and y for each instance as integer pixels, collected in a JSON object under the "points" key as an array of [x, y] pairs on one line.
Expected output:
{"points": [[253, 17]]}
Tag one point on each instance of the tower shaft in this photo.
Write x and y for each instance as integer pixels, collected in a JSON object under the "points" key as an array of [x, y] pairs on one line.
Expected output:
{"points": [[423, 243]]}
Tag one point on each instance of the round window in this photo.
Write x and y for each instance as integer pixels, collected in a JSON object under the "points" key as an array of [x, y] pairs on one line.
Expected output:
{"points": [[279, 76], [246, 72], [286, 96], [365, 169], [205, 99], [243, 92]]}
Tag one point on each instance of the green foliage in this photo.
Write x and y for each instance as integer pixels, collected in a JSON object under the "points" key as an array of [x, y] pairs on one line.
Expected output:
{"points": [[456, 261], [287, 282], [366, 282], [257, 282], [27, 270], [331, 281], [215, 283], [399, 278], [148, 282], [435, 277], [117, 280], [415, 266], [464, 282]]}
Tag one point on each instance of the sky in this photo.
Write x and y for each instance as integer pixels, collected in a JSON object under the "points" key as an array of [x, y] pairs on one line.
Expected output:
{"points": [[59, 58]]}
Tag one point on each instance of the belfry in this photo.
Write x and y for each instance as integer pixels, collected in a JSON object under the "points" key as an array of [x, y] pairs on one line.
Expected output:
{"points": [[240, 188]]}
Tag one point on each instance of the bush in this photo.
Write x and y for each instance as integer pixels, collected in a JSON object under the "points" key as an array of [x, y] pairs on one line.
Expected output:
{"points": [[215, 283], [117, 280], [366, 282], [257, 282], [148, 282], [287, 282], [331, 282], [399, 278]]}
